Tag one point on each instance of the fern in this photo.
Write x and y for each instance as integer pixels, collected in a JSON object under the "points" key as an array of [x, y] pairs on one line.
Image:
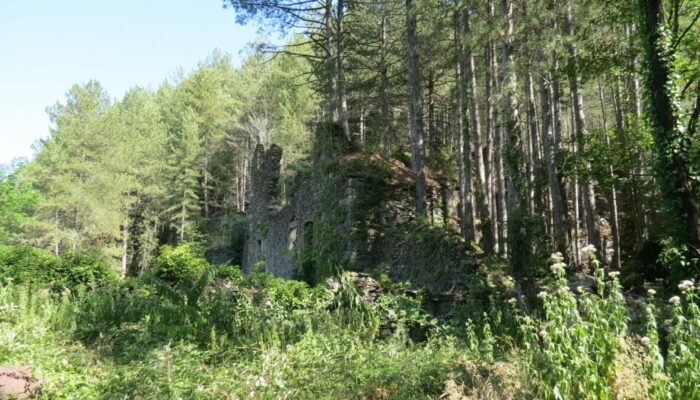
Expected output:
{"points": [[181, 313]]}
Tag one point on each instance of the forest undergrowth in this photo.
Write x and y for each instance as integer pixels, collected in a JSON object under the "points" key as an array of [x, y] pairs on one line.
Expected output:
{"points": [[233, 336]]}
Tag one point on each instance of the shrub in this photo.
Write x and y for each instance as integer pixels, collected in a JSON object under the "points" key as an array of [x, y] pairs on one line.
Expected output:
{"points": [[30, 265], [82, 268], [24, 264], [180, 265]]}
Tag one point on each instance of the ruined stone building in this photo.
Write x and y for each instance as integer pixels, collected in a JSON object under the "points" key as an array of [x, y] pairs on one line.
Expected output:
{"points": [[366, 204]]}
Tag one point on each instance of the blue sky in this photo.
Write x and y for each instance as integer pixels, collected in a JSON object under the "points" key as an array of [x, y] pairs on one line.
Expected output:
{"points": [[46, 46]]}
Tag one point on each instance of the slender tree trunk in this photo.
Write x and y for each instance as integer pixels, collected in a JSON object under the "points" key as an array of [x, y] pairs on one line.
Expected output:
{"points": [[534, 195], [613, 192], [499, 189], [556, 199], [633, 202], [462, 136], [431, 134], [581, 131], [386, 129], [205, 185], [341, 72], [512, 138], [363, 139], [476, 133], [492, 169], [556, 110], [577, 213], [125, 249], [331, 79], [183, 218], [415, 108], [56, 249]]}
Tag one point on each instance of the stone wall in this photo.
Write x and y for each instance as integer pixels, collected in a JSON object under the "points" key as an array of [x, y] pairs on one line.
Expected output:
{"points": [[376, 197]]}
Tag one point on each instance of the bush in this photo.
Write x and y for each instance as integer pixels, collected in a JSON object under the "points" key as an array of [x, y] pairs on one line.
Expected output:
{"points": [[82, 268], [30, 265], [180, 265], [24, 264]]}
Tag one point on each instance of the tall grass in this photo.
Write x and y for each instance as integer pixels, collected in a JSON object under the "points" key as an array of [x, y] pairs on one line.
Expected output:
{"points": [[258, 337]]}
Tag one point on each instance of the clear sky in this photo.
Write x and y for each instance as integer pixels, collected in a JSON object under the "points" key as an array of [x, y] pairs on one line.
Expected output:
{"points": [[46, 46]]}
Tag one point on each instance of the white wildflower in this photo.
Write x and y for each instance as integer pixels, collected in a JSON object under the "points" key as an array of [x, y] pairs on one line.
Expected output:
{"points": [[675, 300], [511, 300], [558, 267], [685, 285], [541, 295], [543, 334], [645, 340], [588, 249], [651, 292], [614, 274], [557, 257]]}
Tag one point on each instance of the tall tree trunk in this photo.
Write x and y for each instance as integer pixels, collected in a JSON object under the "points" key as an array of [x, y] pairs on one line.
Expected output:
{"points": [[517, 249], [56, 245], [462, 136], [341, 72], [534, 195], [431, 135], [386, 129], [205, 185], [491, 171], [415, 108], [476, 133], [125, 249], [557, 205], [633, 201], [613, 192], [672, 146], [577, 213], [581, 130], [500, 174], [331, 79], [363, 139], [183, 217]]}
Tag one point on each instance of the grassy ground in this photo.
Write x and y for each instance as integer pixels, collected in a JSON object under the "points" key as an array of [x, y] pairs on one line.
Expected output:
{"points": [[256, 337]]}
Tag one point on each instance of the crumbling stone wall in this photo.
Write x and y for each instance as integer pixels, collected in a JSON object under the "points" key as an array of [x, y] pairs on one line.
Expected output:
{"points": [[376, 227], [275, 231]]}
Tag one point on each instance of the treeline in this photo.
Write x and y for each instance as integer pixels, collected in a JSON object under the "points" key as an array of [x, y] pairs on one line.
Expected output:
{"points": [[562, 123], [565, 123], [165, 166]]}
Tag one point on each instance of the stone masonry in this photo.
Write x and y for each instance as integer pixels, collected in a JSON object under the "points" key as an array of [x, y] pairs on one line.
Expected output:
{"points": [[385, 243]]}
